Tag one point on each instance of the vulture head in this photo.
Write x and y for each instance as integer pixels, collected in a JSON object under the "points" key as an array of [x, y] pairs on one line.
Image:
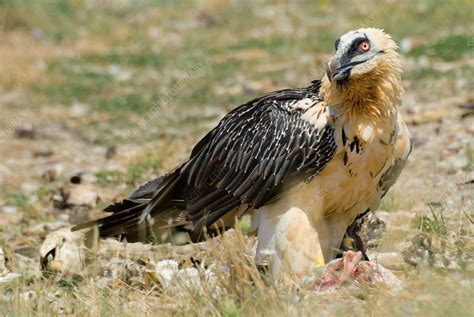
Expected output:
{"points": [[364, 75], [362, 55]]}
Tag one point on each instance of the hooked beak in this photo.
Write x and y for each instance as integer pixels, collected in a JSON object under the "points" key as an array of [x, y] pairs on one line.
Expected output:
{"points": [[337, 72]]}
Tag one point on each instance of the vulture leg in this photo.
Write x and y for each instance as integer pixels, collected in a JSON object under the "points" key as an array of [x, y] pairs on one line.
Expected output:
{"points": [[331, 230], [288, 243]]}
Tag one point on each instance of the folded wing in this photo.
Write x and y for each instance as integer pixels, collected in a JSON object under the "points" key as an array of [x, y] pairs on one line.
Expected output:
{"points": [[256, 153]]}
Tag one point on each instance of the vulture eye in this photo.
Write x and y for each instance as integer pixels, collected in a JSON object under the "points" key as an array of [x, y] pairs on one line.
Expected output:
{"points": [[364, 46]]}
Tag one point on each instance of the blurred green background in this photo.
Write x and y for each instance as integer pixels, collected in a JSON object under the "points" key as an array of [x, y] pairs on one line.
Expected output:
{"points": [[121, 57]]}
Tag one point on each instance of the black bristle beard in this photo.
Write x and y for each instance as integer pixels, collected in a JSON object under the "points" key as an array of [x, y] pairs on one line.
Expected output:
{"points": [[342, 83]]}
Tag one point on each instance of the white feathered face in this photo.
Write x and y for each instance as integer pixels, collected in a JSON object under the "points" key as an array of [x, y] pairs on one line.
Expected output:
{"points": [[358, 53]]}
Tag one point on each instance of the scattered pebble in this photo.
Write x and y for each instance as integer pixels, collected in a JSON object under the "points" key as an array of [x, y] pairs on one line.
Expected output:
{"points": [[78, 109], [431, 251], [53, 171], [110, 152], [5, 274], [26, 131], [45, 228], [171, 277], [43, 152], [390, 260], [76, 195]]}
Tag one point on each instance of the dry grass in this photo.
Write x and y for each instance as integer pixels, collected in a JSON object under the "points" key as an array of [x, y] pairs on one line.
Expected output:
{"points": [[238, 290]]}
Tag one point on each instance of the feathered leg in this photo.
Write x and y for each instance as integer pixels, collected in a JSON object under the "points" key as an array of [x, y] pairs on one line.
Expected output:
{"points": [[331, 230], [288, 243]]}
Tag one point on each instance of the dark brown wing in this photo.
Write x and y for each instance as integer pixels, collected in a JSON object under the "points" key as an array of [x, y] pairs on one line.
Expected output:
{"points": [[257, 152]]}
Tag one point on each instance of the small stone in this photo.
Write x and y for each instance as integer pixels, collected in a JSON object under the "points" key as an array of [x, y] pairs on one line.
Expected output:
{"points": [[453, 266], [43, 152], [9, 277], [29, 187], [110, 152], [53, 171], [29, 296], [76, 195], [390, 260], [46, 227], [438, 261], [406, 45], [5, 274], [25, 132], [78, 109], [10, 209]]}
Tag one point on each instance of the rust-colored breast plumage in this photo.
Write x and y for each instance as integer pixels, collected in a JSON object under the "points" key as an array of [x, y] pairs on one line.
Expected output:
{"points": [[369, 158]]}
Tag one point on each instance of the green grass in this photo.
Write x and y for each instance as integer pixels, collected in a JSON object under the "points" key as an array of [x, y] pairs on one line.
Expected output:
{"points": [[147, 163], [393, 202], [449, 48], [110, 178], [143, 58], [71, 89], [126, 103], [432, 222], [245, 224], [144, 166], [13, 197], [52, 20], [469, 158], [229, 308], [86, 78]]}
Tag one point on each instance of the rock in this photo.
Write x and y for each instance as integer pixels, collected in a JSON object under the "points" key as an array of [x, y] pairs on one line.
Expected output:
{"points": [[395, 218], [467, 107], [83, 177], [53, 171], [26, 264], [390, 260], [78, 110], [110, 152], [43, 152], [26, 131], [46, 227], [9, 209], [76, 195], [5, 274], [207, 19], [3, 262], [170, 277], [29, 187], [63, 251], [433, 251], [9, 277], [406, 45], [30, 296], [10, 215]]}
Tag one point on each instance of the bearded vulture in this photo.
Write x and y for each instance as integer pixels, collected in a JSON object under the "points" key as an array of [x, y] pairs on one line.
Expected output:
{"points": [[303, 162]]}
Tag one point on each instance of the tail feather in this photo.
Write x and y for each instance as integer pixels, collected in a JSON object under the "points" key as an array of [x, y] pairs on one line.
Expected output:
{"points": [[128, 218], [115, 224], [160, 196]]}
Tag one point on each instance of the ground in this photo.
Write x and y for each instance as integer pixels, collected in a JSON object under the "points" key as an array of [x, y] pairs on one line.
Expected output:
{"points": [[117, 92]]}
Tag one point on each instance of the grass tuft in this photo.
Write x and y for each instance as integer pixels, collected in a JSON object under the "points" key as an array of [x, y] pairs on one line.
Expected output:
{"points": [[432, 223]]}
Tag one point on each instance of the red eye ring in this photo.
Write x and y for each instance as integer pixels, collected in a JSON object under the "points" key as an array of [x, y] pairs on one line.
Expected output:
{"points": [[364, 46]]}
